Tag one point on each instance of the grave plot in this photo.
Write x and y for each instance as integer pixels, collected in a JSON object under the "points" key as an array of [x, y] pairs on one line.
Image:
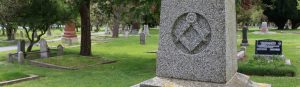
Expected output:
{"points": [[70, 62]]}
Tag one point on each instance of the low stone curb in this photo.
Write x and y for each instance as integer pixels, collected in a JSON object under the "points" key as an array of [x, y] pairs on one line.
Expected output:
{"points": [[31, 77], [40, 64]]}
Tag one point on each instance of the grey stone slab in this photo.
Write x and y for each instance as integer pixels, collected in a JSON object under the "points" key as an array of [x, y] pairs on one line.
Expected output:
{"points": [[197, 40], [238, 80], [44, 49]]}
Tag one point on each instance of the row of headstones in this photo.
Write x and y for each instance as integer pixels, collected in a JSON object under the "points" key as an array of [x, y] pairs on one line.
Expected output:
{"points": [[44, 51], [128, 30]]}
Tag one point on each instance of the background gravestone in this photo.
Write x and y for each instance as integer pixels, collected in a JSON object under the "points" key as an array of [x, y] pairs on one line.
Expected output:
{"points": [[264, 27], [146, 30], [197, 46], [60, 50], [245, 36], [142, 38], [44, 49], [49, 32], [126, 32], [21, 46], [21, 34]]}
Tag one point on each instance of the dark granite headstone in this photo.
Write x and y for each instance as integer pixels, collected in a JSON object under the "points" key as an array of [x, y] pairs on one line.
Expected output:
{"points": [[268, 47]]}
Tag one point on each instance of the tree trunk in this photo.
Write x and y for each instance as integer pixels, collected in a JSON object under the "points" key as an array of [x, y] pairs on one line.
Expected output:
{"points": [[97, 28], [29, 48], [295, 24], [3, 31], [10, 33], [280, 23], [115, 31], [85, 46]]}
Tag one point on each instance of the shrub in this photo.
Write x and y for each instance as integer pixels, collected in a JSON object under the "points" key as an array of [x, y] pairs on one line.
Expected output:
{"points": [[267, 68]]}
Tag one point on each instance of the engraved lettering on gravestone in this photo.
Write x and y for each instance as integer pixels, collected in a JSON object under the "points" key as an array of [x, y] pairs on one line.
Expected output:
{"points": [[191, 33]]}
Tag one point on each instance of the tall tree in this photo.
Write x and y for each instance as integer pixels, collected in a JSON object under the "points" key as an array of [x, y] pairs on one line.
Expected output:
{"points": [[279, 11], [9, 9], [85, 47], [36, 18]]}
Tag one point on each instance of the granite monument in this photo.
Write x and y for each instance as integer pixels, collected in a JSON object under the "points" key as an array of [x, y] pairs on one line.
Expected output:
{"points": [[197, 46]]}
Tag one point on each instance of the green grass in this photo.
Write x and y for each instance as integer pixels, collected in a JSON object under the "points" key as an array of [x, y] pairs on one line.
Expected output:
{"points": [[135, 65], [264, 67], [75, 61], [11, 76]]}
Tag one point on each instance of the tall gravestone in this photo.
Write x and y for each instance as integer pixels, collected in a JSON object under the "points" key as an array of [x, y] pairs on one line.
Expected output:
{"points": [[142, 38], [146, 30], [245, 36], [197, 46], [21, 34], [21, 46], [44, 49]]}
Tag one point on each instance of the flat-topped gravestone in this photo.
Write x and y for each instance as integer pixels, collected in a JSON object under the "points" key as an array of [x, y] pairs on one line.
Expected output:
{"points": [[21, 34], [146, 30], [197, 45], [21, 46], [268, 47], [44, 49], [200, 39]]}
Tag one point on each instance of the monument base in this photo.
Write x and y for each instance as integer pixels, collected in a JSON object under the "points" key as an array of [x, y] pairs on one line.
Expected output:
{"points": [[269, 57], [70, 41], [244, 44], [239, 80]]}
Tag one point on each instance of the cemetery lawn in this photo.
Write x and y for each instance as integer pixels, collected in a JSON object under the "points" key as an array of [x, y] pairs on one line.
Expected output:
{"points": [[74, 61], [5, 76], [135, 65]]}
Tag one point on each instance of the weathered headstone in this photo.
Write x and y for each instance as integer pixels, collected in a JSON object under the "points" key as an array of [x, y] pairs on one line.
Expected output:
{"points": [[264, 27], [49, 32], [10, 58], [20, 57], [197, 46], [142, 38], [146, 30], [21, 46], [126, 32], [107, 30], [60, 50], [245, 36], [21, 34], [44, 49]]}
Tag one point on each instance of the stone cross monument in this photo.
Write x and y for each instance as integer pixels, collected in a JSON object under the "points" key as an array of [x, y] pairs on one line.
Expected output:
{"points": [[197, 46]]}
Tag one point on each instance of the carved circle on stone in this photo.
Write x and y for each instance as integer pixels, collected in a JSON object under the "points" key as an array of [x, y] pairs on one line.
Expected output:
{"points": [[191, 33]]}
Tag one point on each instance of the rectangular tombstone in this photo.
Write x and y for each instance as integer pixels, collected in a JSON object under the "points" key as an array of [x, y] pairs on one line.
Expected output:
{"points": [[21, 46], [44, 49], [197, 40], [142, 38], [268, 47]]}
